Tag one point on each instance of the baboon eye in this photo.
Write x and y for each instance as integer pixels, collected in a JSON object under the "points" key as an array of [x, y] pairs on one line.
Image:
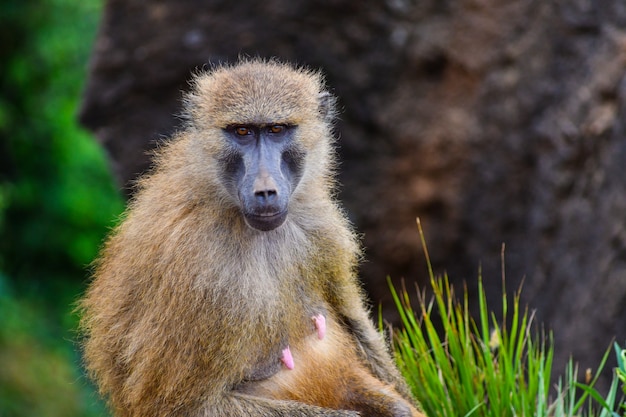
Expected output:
{"points": [[243, 131], [276, 129]]}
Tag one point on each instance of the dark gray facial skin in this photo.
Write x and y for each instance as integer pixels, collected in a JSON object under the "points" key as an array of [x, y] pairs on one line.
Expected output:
{"points": [[262, 167]]}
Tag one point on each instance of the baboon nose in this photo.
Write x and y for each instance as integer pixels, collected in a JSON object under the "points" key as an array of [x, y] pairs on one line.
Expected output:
{"points": [[265, 190]]}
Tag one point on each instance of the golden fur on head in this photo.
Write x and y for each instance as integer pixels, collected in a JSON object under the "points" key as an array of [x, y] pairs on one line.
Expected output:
{"points": [[256, 92]]}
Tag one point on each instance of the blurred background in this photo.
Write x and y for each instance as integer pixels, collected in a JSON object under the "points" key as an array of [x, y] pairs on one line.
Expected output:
{"points": [[57, 200], [494, 121]]}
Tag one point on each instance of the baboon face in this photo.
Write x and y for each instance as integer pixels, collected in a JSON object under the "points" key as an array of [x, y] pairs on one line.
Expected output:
{"points": [[262, 167]]}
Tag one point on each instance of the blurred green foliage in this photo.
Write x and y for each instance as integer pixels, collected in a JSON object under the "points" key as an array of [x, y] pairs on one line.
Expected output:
{"points": [[57, 200]]}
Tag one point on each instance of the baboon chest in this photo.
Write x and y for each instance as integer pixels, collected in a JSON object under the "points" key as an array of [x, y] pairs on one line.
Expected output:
{"points": [[291, 327]]}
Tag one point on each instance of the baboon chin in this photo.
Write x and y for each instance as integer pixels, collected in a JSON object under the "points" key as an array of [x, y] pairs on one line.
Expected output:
{"points": [[229, 288]]}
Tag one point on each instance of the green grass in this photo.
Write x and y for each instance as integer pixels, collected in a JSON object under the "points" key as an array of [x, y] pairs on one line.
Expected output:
{"points": [[458, 366]]}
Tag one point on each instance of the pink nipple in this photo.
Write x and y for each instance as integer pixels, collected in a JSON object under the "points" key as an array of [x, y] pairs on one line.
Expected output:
{"points": [[287, 359], [320, 325]]}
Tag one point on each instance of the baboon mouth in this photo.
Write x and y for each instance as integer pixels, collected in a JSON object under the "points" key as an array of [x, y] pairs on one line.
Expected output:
{"points": [[265, 221]]}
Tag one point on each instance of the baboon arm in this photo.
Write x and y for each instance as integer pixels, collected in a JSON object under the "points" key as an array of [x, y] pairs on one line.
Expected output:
{"points": [[244, 405], [373, 347]]}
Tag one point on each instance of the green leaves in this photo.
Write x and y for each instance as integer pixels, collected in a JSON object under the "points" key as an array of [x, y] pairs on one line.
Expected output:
{"points": [[57, 197], [57, 200]]}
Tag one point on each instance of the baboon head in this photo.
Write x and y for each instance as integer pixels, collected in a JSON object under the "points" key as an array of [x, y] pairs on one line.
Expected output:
{"points": [[267, 131]]}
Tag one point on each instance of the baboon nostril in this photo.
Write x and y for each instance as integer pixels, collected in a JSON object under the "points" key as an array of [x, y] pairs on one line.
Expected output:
{"points": [[265, 196]]}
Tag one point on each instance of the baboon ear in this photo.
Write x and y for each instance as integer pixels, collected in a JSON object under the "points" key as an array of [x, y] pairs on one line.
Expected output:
{"points": [[326, 103]]}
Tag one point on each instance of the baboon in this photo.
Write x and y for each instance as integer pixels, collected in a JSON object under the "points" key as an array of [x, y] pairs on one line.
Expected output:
{"points": [[229, 287]]}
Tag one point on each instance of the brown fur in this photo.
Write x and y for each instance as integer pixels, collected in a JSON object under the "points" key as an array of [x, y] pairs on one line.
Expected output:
{"points": [[190, 308]]}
